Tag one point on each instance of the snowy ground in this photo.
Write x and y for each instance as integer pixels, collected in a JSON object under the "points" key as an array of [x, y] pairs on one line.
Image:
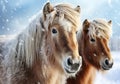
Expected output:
{"points": [[113, 75]]}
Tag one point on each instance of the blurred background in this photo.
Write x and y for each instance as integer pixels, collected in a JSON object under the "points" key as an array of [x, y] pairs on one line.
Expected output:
{"points": [[15, 15]]}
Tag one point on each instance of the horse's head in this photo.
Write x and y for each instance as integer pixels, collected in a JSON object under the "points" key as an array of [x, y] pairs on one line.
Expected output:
{"points": [[61, 23], [96, 37]]}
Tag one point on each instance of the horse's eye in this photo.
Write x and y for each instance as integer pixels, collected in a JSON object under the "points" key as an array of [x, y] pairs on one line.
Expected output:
{"points": [[54, 31], [92, 40]]}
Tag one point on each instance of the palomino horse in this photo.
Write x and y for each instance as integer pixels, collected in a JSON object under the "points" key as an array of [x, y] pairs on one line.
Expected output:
{"points": [[46, 52], [93, 46]]}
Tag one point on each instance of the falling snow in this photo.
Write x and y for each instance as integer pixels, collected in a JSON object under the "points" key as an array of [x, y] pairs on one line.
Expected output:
{"points": [[7, 20], [3, 5], [3, 27], [14, 15]]}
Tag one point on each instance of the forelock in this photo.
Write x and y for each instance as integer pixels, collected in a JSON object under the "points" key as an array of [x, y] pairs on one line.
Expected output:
{"points": [[70, 14], [100, 27]]}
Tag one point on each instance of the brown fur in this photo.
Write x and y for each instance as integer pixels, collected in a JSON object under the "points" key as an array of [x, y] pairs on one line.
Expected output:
{"points": [[37, 55], [87, 50]]}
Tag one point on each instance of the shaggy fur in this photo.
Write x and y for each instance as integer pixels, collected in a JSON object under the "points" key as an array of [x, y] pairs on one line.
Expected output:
{"points": [[94, 51], [37, 55]]}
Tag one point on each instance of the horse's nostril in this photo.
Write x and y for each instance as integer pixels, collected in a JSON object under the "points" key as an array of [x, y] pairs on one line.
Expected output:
{"points": [[107, 62], [69, 62]]}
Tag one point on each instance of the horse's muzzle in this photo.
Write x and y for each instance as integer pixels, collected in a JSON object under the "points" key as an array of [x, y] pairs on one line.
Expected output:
{"points": [[107, 64], [73, 66]]}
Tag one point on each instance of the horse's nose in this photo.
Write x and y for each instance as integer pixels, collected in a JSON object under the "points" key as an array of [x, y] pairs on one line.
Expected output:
{"points": [[74, 64], [107, 64]]}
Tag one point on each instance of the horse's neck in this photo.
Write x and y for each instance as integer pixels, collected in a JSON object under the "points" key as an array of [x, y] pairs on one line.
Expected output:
{"points": [[87, 72], [45, 72], [45, 67], [84, 76]]}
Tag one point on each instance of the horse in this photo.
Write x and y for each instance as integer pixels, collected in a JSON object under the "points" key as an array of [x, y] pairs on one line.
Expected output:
{"points": [[93, 39], [46, 51]]}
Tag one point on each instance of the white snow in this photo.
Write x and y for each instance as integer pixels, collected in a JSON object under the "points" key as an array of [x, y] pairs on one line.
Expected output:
{"points": [[8, 29], [2, 2], [3, 27], [7, 20], [6, 1], [112, 76]]}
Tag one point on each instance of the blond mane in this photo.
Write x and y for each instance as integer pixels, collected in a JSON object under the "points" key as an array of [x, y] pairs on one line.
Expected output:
{"points": [[69, 14], [100, 28], [40, 53], [27, 45]]}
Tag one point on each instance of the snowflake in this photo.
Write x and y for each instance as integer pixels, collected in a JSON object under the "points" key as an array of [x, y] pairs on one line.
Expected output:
{"points": [[3, 27], [7, 20], [3, 5], [8, 29], [6, 1]]}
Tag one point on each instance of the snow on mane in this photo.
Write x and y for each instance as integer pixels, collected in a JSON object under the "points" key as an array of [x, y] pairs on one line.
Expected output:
{"points": [[100, 28]]}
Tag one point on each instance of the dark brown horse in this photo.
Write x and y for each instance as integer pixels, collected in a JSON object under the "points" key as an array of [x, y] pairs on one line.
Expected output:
{"points": [[93, 46], [46, 52]]}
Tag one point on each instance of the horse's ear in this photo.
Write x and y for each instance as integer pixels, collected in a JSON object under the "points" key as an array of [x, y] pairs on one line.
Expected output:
{"points": [[86, 24], [48, 8], [77, 9], [110, 22]]}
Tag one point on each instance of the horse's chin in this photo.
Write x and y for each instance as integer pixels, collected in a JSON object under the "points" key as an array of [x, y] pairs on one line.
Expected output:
{"points": [[104, 68], [70, 73]]}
